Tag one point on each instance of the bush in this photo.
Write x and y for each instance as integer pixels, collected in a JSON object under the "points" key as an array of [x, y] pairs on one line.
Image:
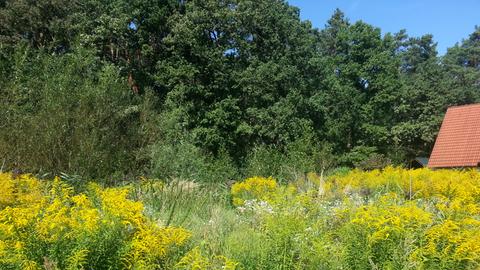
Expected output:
{"points": [[69, 113], [185, 161], [365, 158], [292, 162]]}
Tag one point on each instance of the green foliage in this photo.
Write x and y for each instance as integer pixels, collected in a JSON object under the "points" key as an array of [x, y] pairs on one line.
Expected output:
{"points": [[365, 158], [292, 162], [44, 24], [67, 114], [230, 76], [183, 160], [210, 90]]}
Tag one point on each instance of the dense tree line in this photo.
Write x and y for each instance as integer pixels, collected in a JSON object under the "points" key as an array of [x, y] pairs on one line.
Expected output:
{"points": [[213, 89]]}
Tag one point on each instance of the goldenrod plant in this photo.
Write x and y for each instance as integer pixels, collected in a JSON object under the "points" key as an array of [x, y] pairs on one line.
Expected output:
{"points": [[392, 218], [46, 225], [253, 188], [381, 219]]}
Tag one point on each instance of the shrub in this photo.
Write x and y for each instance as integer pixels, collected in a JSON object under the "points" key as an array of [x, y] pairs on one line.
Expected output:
{"points": [[74, 113], [291, 162], [180, 159]]}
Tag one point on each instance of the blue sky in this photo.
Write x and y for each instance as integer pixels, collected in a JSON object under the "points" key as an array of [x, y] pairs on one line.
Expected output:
{"points": [[449, 21]]}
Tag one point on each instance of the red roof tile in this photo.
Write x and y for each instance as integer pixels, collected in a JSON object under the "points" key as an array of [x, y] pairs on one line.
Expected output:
{"points": [[458, 142]]}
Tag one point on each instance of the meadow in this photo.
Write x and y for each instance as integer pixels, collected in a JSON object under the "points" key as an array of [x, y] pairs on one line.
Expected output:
{"points": [[350, 219]]}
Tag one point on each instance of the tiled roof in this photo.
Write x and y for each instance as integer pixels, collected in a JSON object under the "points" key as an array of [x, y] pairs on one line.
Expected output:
{"points": [[458, 142]]}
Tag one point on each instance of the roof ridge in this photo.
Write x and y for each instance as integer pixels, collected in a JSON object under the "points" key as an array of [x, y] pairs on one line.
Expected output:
{"points": [[465, 105]]}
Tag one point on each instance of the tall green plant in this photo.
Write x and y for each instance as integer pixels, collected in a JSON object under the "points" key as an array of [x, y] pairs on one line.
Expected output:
{"points": [[67, 113]]}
